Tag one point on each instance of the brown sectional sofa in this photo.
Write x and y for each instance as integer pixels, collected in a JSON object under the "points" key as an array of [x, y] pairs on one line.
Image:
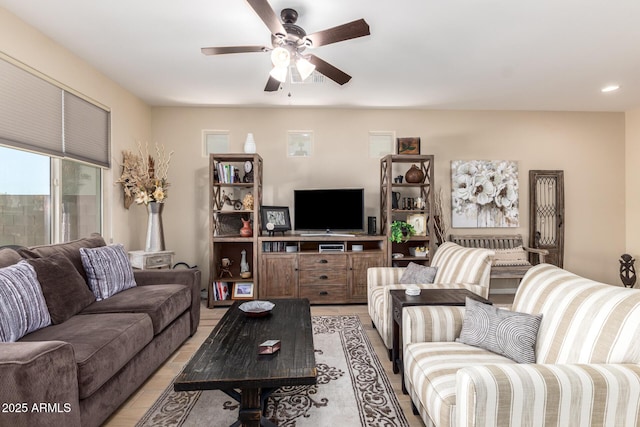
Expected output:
{"points": [[79, 371]]}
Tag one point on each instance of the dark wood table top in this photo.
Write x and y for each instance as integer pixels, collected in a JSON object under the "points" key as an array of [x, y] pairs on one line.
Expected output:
{"points": [[436, 297], [229, 356]]}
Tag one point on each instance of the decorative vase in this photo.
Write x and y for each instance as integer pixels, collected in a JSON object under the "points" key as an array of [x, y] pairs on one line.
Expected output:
{"points": [[414, 175], [244, 265], [155, 233], [249, 144], [246, 230]]}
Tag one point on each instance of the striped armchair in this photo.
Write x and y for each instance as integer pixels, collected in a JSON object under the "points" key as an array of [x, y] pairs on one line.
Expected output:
{"points": [[458, 267], [586, 371]]}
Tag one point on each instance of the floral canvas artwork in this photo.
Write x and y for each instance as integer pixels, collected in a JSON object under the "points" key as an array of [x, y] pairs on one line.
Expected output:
{"points": [[484, 193]]}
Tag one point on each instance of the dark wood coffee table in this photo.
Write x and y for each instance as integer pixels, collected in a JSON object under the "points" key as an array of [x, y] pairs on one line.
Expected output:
{"points": [[229, 359], [399, 300]]}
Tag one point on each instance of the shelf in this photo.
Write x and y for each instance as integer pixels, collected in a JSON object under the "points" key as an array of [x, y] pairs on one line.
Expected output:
{"points": [[231, 212], [225, 222], [234, 184], [392, 166]]}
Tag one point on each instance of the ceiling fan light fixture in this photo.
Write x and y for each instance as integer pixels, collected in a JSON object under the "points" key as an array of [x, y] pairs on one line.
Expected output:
{"points": [[279, 73], [305, 68], [280, 57]]}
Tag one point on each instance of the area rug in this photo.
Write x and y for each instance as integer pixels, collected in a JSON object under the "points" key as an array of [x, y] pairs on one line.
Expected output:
{"points": [[352, 389]]}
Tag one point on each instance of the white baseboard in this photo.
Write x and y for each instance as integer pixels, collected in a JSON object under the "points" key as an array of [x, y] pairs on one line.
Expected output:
{"points": [[502, 291]]}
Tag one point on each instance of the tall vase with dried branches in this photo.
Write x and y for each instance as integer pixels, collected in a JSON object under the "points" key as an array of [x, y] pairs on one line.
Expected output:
{"points": [[144, 180], [440, 223]]}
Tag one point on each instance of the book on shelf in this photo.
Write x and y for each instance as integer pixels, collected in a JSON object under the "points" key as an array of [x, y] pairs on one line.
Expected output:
{"points": [[227, 174]]}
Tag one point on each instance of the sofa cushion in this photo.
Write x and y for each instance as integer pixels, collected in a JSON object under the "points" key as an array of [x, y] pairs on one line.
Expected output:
{"points": [[102, 344], [163, 303], [417, 274], [108, 270], [69, 249], [510, 257], [431, 370], [501, 331], [22, 304], [9, 257], [64, 289]]}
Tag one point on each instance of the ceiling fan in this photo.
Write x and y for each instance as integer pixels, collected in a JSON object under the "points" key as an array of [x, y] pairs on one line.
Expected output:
{"points": [[289, 42]]}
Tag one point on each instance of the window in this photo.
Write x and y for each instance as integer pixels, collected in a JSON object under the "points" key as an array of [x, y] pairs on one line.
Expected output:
{"points": [[55, 195], [45, 199]]}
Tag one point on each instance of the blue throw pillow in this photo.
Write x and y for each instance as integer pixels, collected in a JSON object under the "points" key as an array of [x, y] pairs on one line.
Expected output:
{"points": [[108, 270], [22, 303]]}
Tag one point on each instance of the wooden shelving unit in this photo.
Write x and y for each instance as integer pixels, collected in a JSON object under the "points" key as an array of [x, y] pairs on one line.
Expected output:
{"points": [[225, 222], [392, 166]]}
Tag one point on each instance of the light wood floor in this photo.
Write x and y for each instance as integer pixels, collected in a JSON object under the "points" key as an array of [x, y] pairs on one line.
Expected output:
{"points": [[134, 408]]}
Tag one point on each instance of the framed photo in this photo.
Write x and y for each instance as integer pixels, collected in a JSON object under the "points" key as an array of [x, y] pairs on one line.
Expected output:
{"points": [[409, 145], [419, 222], [299, 143], [275, 218], [242, 290]]}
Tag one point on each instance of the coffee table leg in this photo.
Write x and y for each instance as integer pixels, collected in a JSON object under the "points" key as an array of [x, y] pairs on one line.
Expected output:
{"points": [[250, 408], [252, 402]]}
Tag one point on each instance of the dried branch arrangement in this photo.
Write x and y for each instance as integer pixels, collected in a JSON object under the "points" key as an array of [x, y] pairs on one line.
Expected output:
{"points": [[144, 179]]}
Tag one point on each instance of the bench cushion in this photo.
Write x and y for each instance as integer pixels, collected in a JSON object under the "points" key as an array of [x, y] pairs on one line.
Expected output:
{"points": [[102, 344], [510, 257], [163, 303]]}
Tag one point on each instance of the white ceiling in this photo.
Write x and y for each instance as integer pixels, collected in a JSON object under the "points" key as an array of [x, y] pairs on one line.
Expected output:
{"points": [[437, 54]]}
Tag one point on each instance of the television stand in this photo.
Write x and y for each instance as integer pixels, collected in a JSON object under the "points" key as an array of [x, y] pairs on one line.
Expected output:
{"points": [[322, 267]]}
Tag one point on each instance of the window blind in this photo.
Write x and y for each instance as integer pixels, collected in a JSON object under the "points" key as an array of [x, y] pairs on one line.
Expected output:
{"points": [[39, 116], [30, 111], [86, 131]]}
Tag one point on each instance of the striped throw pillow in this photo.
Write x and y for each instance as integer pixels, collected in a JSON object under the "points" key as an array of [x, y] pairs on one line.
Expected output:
{"points": [[22, 303], [501, 331], [108, 270]]}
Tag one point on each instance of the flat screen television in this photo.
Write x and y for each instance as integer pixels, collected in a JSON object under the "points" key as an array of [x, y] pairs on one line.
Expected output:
{"points": [[329, 210]]}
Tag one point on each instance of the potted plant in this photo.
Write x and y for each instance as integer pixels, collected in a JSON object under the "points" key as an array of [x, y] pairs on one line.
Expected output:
{"points": [[401, 231]]}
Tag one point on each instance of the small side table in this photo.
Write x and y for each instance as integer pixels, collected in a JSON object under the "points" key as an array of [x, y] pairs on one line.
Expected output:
{"points": [[151, 260], [399, 300]]}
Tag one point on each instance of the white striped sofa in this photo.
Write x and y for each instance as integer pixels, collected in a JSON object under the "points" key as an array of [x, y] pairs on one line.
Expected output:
{"points": [[458, 267], [586, 371]]}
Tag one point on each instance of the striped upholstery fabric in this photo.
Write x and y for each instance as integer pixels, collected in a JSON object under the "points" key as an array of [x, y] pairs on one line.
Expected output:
{"points": [[583, 321], [430, 375], [457, 264], [586, 370], [458, 267], [556, 395]]}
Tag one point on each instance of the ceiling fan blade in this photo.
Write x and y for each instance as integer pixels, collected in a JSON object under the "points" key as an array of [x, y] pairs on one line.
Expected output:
{"points": [[233, 49], [268, 16], [329, 70], [272, 85], [340, 33]]}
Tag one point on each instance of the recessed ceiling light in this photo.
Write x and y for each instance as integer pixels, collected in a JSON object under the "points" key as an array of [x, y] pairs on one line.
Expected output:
{"points": [[610, 88]]}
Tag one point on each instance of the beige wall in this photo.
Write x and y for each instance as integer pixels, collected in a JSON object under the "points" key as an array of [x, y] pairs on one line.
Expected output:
{"points": [[130, 117], [589, 147], [633, 183]]}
